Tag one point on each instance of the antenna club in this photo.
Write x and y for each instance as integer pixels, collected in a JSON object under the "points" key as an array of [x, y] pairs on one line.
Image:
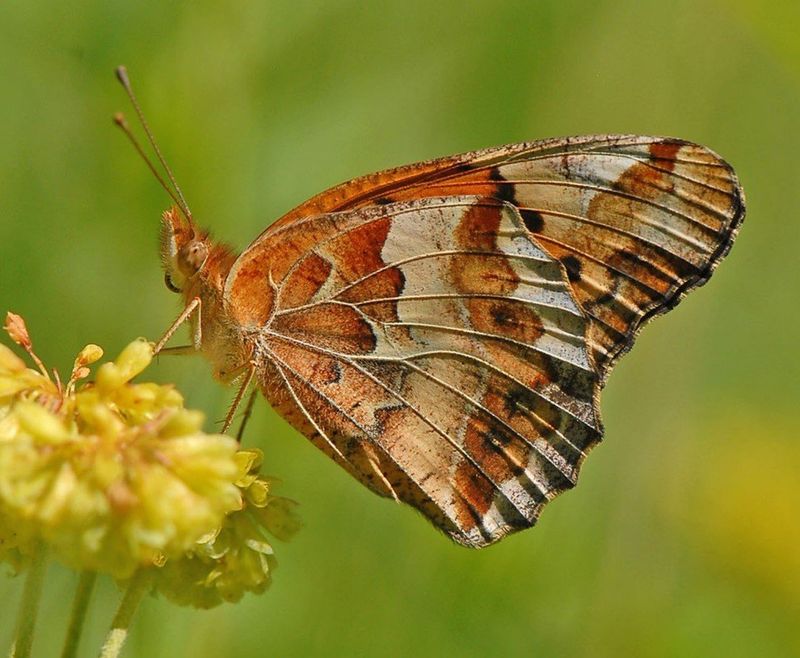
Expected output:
{"points": [[122, 75], [119, 119]]}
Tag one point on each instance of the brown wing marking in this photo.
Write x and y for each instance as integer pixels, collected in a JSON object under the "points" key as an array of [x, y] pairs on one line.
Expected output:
{"points": [[441, 359]]}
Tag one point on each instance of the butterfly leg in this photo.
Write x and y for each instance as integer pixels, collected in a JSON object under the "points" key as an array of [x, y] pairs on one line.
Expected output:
{"points": [[179, 350], [247, 411], [194, 304], [248, 378]]}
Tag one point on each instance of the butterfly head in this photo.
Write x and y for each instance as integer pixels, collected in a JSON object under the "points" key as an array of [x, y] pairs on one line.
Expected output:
{"points": [[184, 250]]}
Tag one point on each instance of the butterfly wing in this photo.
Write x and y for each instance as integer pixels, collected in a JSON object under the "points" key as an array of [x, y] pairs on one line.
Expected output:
{"points": [[637, 221], [436, 352], [442, 330]]}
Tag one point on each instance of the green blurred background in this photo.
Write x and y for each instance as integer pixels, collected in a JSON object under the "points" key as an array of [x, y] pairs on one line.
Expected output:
{"points": [[683, 537]]}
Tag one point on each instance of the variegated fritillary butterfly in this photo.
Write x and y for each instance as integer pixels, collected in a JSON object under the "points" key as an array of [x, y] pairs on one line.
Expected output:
{"points": [[443, 330]]}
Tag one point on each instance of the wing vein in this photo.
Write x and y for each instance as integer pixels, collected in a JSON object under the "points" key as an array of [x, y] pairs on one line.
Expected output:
{"points": [[481, 334], [478, 405], [453, 443]]}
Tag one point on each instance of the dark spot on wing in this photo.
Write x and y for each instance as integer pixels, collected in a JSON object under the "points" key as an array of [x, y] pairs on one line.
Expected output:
{"points": [[504, 190], [502, 316], [533, 220], [573, 267], [335, 373], [513, 399]]}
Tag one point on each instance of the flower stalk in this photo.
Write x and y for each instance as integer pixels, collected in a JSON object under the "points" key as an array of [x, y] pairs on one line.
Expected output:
{"points": [[80, 604], [138, 586], [29, 605]]}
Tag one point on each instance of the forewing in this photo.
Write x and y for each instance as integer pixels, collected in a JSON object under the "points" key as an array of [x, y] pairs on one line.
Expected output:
{"points": [[637, 221], [436, 352]]}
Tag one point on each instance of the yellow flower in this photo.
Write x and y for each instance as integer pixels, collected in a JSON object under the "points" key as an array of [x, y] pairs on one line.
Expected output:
{"points": [[114, 476], [111, 475], [237, 558]]}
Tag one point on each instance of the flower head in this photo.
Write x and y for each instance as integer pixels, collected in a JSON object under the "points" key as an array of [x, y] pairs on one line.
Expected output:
{"points": [[111, 475]]}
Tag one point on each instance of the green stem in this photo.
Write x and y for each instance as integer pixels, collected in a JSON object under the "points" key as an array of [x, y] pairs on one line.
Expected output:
{"points": [[29, 606], [79, 606], [118, 633]]}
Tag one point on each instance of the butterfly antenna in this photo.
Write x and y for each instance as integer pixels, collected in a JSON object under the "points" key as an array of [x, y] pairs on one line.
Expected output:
{"points": [[119, 120], [122, 76]]}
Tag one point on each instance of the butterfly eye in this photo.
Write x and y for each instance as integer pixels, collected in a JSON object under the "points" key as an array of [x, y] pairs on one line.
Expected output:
{"points": [[193, 257], [169, 284]]}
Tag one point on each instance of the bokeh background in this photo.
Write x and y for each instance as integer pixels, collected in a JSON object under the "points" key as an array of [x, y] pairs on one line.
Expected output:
{"points": [[683, 536]]}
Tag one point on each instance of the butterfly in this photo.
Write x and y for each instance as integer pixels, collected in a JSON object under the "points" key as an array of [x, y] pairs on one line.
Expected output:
{"points": [[443, 330]]}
